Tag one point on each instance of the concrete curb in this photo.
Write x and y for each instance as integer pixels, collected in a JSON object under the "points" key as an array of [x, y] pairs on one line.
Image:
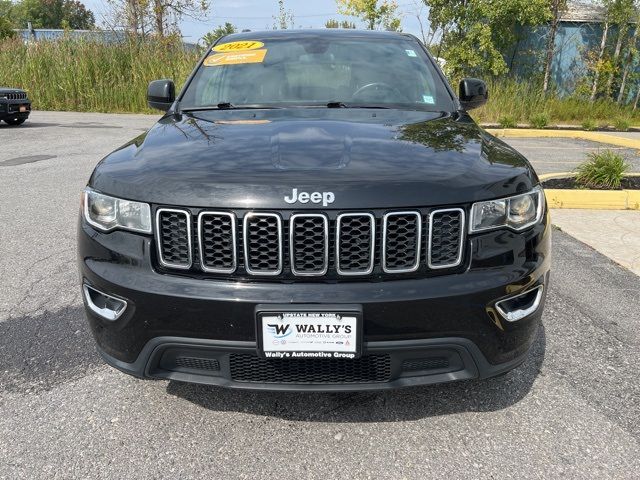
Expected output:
{"points": [[576, 134], [590, 199]]}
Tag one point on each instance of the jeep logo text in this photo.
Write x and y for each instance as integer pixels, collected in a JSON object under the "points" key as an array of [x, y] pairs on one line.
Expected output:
{"points": [[326, 198]]}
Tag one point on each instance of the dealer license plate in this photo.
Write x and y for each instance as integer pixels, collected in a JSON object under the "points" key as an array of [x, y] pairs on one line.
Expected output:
{"points": [[309, 334]]}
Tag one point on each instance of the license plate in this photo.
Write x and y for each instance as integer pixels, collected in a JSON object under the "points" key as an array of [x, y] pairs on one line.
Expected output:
{"points": [[23, 108], [309, 334]]}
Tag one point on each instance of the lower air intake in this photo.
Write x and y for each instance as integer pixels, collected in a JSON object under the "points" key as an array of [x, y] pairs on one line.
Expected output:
{"points": [[367, 369]]}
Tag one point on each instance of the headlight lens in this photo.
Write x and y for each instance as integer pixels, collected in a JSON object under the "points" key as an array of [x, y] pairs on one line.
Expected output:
{"points": [[107, 213], [517, 212]]}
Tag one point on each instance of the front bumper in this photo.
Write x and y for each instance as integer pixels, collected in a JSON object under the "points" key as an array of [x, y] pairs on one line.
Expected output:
{"points": [[11, 109], [428, 330]]}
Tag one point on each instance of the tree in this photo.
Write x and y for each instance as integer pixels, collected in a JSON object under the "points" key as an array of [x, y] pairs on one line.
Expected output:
{"points": [[168, 13], [221, 31], [6, 29], [54, 14], [475, 33], [284, 19], [557, 7], [376, 14], [621, 14], [342, 24]]}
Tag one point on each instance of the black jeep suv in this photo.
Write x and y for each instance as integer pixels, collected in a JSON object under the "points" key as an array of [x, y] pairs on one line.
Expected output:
{"points": [[14, 106], [315, 211]]}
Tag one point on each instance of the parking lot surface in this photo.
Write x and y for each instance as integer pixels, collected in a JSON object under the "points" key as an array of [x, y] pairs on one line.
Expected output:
{"points": [[571, 410]]}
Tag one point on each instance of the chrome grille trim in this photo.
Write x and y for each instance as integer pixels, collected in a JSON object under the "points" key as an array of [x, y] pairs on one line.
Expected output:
{"points": [[245, 236], [372, 246], [460, 242], [180, 266], [385, 220], [234, 247], [292, 256]]}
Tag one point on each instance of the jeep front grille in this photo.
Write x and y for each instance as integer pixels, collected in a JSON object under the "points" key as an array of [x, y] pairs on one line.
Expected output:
{"points": [[15, 96], [328, 245]]}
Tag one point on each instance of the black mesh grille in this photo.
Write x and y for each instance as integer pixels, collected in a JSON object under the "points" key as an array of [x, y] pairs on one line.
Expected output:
{"points": [[446, 232], [309, 244], [425, 364], [355, 243], [402, 239], [198, 363], [262, 244], [173, 238], [217, 234], [368, 369]]}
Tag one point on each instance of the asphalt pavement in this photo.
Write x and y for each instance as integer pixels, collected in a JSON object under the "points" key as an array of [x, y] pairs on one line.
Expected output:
{"points": [[571, 410]]}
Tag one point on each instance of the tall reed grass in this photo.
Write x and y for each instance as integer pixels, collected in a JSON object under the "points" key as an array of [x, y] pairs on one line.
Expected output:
{"points": [[523, 101], [87, 76]]}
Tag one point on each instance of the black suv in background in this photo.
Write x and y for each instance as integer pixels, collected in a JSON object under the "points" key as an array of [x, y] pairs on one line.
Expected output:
{"points": [[15, 107], [315, 211]]}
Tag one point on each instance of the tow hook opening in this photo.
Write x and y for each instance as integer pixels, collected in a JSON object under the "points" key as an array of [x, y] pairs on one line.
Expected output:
{"points": [[520, 306], [104, 305]]}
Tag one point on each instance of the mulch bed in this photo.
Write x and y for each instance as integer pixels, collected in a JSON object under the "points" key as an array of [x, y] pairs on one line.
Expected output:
{"points": [[569, 183]]}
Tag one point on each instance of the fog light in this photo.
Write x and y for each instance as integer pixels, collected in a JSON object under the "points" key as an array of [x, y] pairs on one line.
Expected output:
{"points": [[520, 306], [104, 305]]}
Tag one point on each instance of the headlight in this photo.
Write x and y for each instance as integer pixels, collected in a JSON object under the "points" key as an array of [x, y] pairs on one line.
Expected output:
{"points": [[517, 212], [106, 213]]}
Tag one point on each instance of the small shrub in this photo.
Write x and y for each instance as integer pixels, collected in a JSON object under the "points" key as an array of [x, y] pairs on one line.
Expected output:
{"points": [[588, 125], [603, 125], [539, 120], [602, 170], [622, 124], [507, 121]]}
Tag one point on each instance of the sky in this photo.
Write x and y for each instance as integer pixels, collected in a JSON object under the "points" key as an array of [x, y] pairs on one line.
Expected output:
{"points": [[258, 15]]}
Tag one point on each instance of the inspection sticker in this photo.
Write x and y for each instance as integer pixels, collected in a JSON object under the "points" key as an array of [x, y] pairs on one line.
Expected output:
{"points": [[411, 53], [238, 46], [235, 58]]}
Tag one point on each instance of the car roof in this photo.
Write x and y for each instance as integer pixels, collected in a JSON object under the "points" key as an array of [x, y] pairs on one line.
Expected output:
{"points": [[317, 33]]}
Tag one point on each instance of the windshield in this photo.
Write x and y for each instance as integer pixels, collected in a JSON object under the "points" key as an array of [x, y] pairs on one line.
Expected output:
{"points": [[318, 70]]}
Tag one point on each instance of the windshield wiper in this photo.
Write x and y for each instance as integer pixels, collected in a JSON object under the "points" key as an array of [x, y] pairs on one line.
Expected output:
{"points": [[356, 105], [231, 106]]}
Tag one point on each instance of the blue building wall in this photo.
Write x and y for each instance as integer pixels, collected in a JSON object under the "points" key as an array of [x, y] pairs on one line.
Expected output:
{"points": [[573, 41]]}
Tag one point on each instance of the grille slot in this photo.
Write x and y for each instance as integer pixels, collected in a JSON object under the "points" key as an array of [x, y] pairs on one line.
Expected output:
{"points": [[425, 364], [367, 369], [198, 363], [355, 244], [309, 244], [446, 237], [401, 238], [263, 243], [217, 242], [173, 236]]}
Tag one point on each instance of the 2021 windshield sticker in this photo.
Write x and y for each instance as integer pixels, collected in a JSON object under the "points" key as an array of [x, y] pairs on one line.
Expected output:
{"points": [[235, 58], [238, 46]]}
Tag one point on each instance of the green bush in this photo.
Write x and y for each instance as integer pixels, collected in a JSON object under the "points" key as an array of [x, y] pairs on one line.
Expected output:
{"points": [[589, 124], [507, 122], [604, 169], [622, 124], [539, 120]]}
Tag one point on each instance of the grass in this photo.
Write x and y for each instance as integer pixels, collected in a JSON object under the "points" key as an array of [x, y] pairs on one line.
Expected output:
{"points": [[589, 125], [539, 120], [603, 169], [522, 101], [87, 76]]}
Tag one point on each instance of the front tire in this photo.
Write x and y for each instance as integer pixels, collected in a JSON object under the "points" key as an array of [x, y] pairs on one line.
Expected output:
{"points": [[15, 121]]}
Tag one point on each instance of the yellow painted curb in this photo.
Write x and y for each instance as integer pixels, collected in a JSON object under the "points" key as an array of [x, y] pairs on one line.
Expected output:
{"points": [[577, 134], [591, 199]]}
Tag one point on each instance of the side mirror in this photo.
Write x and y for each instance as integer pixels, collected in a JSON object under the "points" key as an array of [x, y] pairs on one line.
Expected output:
{"points": [[161, 94], [473, 93]]}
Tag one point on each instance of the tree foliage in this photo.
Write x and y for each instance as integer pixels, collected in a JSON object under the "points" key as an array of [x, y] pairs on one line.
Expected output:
{"points": [[284, 19], [377, 14], [475, 33], [157, 17], [221, 31], [52, 14], [332, 23]]}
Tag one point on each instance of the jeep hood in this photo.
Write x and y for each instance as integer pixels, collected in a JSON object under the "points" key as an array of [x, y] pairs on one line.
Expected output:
{"points": [[366, 158]]}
